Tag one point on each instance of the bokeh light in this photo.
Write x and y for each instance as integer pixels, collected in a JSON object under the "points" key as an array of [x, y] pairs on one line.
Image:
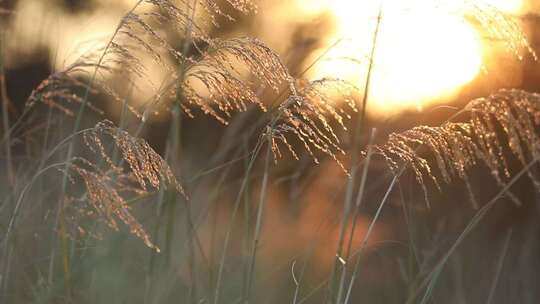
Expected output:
{"points": [[424, 53]]}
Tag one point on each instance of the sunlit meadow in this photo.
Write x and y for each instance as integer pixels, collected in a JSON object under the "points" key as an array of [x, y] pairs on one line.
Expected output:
{"points": [[257, 151]]}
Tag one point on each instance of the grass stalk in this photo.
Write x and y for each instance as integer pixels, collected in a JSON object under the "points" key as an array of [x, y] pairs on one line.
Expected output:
{"points": [[6, 103], [66, 258], [430, 280], [82, 108], [258, 223], [500, 265], [153, 254], [9, 231], [366, 238], [298, 281], [358, 203], [413, 259], [247, 227], [86, 95], [354, 156], [358, 252], [241, 192]]}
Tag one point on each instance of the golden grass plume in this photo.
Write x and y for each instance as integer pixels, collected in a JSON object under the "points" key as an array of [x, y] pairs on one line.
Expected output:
{"points": [[507, 120]]}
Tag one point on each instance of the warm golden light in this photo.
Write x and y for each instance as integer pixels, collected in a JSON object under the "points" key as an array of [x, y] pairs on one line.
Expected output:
{"points": [[423, 53], [510, 6]]}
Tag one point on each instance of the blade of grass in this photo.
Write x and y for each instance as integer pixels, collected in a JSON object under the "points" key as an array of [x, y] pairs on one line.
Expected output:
{"points": [[247, 228], [500, 264], [413, 259], [258, 224], [234, 212], [6, 103], [430, 280], [355, 151], [82, 108], [366, 238], [358, 253], [358, 202], [9, 231]]}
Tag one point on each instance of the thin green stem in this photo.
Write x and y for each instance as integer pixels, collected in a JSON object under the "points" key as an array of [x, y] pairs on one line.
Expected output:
{"points": [[13, 219], [258, 224], [500, 265], [4, 99], [355, 151], [358, 202], [82, 108], [366, 238], [430, 280], [362, 247], [238, 200]]}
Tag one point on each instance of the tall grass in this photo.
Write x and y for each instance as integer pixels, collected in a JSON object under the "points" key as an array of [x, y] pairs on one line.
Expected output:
{"points": [[99, 178]]}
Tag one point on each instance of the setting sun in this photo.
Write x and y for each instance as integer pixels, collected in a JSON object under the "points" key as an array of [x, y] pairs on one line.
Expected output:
{"points": [[424, 53]]}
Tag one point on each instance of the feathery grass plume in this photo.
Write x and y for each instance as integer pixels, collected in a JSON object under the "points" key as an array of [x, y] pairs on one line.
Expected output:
{"points": [[518, 114], [146, 165], [211, 79], [215, 66], [63, 88], [508, 119], [221, 81], [499, 26], [243, 6], [105, 202], [105, 189], [59, 89], [308, 113], [451, 144], [496, 24], [141, 29]]}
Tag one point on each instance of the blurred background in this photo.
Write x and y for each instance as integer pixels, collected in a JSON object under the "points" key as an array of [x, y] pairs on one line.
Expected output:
{"points": [[428, 63], [409, 73]]}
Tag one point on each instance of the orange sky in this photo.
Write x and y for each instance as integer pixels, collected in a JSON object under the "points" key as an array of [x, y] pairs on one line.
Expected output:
{"points": [[421, 57]]}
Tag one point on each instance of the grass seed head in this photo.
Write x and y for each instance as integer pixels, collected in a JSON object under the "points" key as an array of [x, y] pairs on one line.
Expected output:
{"points": [[506, 120]]}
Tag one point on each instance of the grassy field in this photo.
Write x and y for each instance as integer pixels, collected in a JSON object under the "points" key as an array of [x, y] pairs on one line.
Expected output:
{"points": [[234, 178]]}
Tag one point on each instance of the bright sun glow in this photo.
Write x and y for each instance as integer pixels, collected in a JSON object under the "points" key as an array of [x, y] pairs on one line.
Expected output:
{"points": [[422, 55]]}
